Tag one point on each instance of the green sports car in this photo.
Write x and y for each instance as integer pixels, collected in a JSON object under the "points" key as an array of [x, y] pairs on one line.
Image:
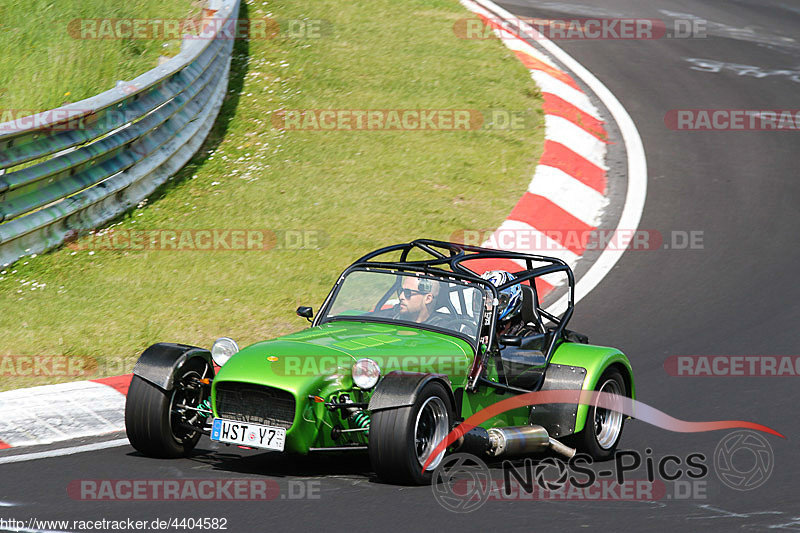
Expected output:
{"points": [[410, 342]]}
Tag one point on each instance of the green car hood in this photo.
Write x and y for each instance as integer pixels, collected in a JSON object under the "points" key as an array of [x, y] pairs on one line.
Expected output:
{"points": [[301, 361]]}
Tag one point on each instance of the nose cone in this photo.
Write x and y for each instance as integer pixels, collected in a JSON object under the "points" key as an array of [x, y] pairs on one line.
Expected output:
{"points": [[286, 365]]}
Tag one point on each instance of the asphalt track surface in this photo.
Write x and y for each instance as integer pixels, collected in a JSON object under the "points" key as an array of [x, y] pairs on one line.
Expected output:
{"points": [[736, 296]]}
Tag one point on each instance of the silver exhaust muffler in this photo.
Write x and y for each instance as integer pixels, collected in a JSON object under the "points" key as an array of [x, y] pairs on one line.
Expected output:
{"points": [[518, 440], [522, 440]]}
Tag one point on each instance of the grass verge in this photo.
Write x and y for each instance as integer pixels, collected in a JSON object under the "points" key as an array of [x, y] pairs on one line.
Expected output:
{"points": [[347, 192]]}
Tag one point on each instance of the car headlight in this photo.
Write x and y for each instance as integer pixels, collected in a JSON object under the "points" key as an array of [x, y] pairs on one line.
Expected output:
{"points": [[366, 373], [223, 349]]}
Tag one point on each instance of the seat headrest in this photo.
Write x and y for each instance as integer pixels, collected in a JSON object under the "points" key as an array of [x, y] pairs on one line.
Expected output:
{"points": [[529, 304]]}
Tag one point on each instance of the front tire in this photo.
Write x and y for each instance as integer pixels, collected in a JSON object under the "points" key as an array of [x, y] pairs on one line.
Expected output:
{"points": [[402, 439], [155, 424], [603, 428]]}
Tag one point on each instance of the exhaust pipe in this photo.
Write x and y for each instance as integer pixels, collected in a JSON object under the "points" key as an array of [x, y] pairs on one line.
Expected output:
{"points": [[563, 449], [515, 440]]}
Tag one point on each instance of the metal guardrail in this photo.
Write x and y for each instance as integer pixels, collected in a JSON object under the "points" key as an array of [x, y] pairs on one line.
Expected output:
{"points": [[74, 168]]}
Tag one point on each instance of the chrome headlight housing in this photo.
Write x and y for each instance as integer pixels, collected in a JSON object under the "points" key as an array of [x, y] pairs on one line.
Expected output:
{"points": [[223, 349], [366, 373]]}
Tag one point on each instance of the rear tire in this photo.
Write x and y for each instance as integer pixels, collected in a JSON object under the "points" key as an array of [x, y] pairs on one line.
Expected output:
{"points": [[401, 439], [152, 424], [603, 428]]}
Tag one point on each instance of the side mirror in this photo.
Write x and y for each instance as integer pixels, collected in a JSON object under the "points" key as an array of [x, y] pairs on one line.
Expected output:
{"points": [[305, 312], [510, 340]]}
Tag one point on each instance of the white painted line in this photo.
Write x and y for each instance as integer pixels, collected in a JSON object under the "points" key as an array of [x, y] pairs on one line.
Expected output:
{"points": [[552, 85], [637, 168], [576, 139], [63, 451], [574, 197], [8, 504]]}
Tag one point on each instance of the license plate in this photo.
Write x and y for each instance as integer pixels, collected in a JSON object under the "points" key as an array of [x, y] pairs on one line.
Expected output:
{"points": [[247, 434]]}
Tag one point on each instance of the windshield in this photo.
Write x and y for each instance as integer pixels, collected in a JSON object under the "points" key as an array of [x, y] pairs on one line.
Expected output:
{"points": [[409, 299]]}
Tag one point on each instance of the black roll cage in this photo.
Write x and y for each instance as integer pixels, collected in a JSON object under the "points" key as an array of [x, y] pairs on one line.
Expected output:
{"points": [[446, 261]]}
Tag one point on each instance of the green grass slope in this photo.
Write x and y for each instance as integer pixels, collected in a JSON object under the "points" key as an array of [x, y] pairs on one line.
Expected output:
{"points": [[44, 64]]}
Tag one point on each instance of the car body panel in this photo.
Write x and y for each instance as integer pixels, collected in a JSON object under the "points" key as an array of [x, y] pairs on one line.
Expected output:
{"points": [[595, 359], [317, 362], [483, 397]]}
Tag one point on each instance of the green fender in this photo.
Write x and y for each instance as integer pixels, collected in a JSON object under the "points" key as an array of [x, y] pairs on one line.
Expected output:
{"points": [[595, 359]]}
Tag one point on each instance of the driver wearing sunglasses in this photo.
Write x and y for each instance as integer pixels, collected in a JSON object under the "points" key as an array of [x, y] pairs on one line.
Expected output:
{"points": [[417, 297]]}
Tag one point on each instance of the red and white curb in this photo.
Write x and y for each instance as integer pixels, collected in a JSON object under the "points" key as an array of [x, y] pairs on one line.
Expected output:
{"points": [[54, 413], [567, 192], [569, 187]]}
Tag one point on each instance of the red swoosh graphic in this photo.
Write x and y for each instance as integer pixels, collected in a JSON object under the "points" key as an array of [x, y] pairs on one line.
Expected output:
{"points": [[626, 406]]}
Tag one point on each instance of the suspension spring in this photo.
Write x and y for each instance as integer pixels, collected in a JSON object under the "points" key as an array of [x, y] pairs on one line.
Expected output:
{"points": [[205, 405], [361, 420]]}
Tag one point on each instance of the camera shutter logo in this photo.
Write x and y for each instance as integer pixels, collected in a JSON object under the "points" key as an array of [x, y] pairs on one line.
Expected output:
{"points": [[461, 483], [748, 450]]}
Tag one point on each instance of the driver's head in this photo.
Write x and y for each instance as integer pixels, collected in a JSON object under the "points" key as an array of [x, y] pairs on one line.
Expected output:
{"points": [[417, 297]]}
